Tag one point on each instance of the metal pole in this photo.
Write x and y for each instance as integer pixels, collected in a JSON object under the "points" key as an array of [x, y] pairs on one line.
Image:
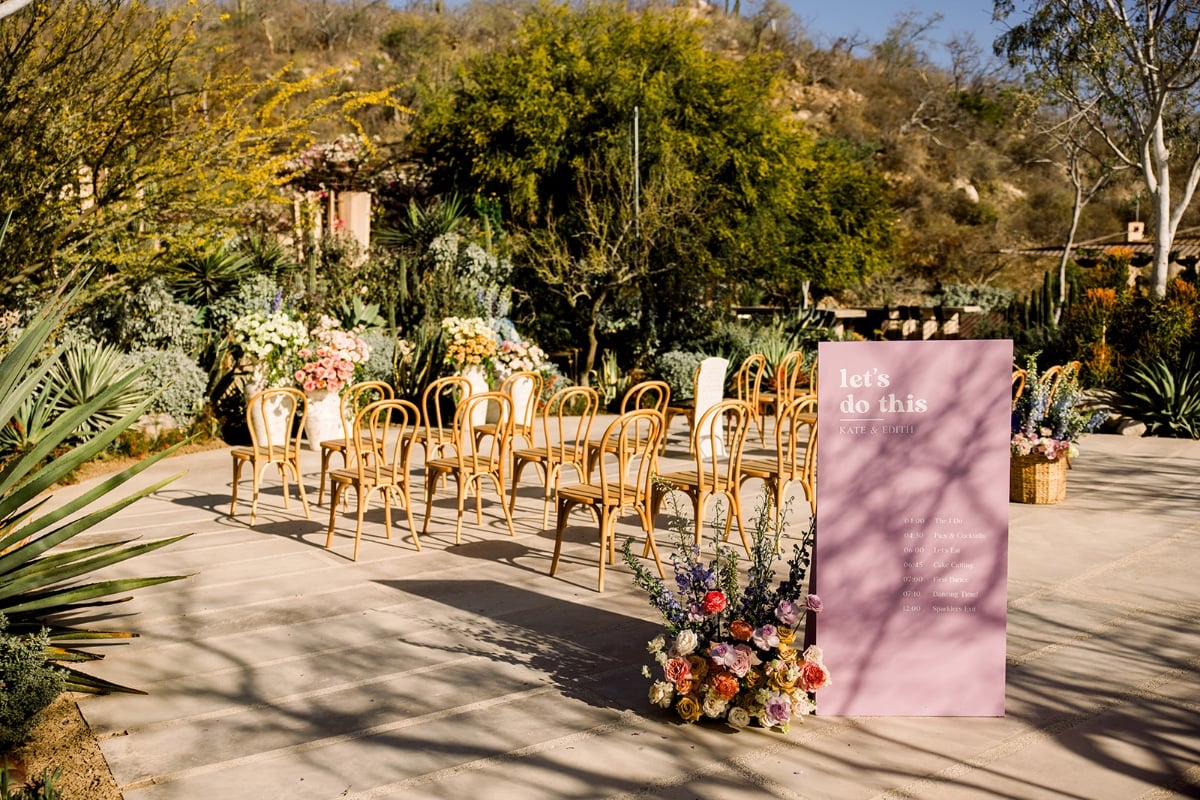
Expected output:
{"points": [[637, 180]]}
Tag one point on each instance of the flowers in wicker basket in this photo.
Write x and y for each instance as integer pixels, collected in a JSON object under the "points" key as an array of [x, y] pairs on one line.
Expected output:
{"points": [[469, 341], [332, 362], [1047, 420], [731, 653]]}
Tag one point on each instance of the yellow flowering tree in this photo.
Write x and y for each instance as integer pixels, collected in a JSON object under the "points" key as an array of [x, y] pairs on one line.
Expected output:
{"points": [[118, 133]]}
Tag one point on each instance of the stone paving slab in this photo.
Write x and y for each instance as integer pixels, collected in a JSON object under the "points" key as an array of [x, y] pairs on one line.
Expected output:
{"points": [[282, 669]]}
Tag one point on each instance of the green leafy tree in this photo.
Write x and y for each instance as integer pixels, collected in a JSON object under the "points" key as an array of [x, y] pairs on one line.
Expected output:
{"points": [[1138, 66], [537, 123]]}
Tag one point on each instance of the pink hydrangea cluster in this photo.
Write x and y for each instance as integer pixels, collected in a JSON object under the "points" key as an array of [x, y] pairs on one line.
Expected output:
{"points": [[332, 363]]}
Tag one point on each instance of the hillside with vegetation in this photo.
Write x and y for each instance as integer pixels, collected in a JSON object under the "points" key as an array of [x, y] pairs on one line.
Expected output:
{"points": [[600, 177]]}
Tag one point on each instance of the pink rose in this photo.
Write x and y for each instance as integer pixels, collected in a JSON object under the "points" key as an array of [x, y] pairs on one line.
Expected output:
{"points": [[813, 603]]}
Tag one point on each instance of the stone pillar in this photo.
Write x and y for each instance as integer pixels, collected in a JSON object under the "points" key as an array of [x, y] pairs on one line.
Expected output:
{"points": [[354, 214]]}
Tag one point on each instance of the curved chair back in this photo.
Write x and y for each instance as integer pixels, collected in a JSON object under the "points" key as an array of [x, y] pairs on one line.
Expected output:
{"points": [[275, 418], [647, 394], [789, 377], [796, 446], [437, 420], [474, 450], [567, 423], [720, 435], [393, 423], [357, 397], [629, 457]]}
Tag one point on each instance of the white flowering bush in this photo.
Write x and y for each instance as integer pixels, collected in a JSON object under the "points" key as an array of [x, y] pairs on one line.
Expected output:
{"points": [[273, 343]]}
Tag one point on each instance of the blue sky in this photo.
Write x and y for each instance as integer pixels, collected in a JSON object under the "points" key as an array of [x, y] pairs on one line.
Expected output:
{"points": [[827, 20]]}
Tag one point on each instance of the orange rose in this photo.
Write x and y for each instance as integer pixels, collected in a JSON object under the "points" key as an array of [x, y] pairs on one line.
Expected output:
{"points": [[677, 669], [741, 630], [724, 684]]}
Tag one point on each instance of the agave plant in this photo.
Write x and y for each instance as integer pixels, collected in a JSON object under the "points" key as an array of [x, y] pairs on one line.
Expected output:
{"points": [[43, 582], [1166, 399]]}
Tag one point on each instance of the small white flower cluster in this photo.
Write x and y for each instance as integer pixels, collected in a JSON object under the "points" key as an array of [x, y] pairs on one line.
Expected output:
{"points": [[271, 341]]}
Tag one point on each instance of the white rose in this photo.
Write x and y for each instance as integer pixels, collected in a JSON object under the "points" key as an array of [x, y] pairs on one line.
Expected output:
{"points": [[686, 643], [713, 706], [738, 717], [661, 694]]}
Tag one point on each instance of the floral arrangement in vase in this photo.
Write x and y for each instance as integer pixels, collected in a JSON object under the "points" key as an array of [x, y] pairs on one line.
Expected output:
{"points": [[1046, 424], [272, 341], [517, 356], [332, 362], [470, 341], [731, 653]]}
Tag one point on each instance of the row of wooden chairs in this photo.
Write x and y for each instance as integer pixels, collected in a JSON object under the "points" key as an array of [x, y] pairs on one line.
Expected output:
{"points": [[386, 431]]}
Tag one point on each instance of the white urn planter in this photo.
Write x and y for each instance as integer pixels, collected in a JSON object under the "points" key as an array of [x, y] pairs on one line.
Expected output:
{"points": [[271, 427], [324, 420], [478, 379]]}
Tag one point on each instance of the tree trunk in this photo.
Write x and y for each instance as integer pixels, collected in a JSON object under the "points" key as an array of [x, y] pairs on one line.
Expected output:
{"points": [[1076, 213]]}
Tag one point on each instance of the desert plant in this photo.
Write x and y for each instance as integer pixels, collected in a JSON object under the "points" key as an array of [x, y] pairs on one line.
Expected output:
{"points": [[87, 370], [181, 383], [678, 369], [27, 683], [39, 788], [1166, 399], [41, 584], [203, 278]]}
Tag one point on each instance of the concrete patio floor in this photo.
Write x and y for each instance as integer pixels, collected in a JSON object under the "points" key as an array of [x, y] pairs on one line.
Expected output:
{"points": [[282, 669]]}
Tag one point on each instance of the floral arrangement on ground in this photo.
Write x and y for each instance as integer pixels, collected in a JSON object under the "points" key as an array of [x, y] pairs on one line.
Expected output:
{"points": [[1046, 419], [730, 653]]}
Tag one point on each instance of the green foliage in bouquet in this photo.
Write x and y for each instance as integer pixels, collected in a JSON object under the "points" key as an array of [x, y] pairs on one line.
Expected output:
{"points": [[731, 652]]}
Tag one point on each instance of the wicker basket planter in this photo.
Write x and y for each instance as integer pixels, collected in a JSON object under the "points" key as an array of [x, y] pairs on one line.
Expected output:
{"points": [[1036, 479]]}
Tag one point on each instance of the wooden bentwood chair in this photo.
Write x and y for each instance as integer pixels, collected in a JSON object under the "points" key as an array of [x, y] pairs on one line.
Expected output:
{"points": [[381, 439], [566, 422], [275, 418], [748, 385], [717, 442], [355, 398], [474, 459], [795, 455], [438, 402], [628, 460], [654, 395]]}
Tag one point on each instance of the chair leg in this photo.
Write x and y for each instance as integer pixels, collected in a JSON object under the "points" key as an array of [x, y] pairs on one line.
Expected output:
{"points": [[335, 492], [564, 509], [258, 470], [360, 496], [407, 496], [430, 488], [499, 481], [300, 488], [326, 454], [237, 473], [460, 485]]}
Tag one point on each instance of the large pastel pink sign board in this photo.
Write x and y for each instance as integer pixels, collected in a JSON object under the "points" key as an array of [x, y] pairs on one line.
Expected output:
{"points": [[911, 558]]}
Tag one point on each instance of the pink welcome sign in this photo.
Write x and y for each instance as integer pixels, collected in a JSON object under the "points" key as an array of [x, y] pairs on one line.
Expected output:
{"points": [[911, 557]]}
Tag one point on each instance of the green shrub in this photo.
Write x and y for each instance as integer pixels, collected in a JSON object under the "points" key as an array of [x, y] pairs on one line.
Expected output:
{"points": [[1166, 398], [989, 298], [378, 366], [678, 369], [150, 317], [182, 385], [27, 683], [256, 294]]}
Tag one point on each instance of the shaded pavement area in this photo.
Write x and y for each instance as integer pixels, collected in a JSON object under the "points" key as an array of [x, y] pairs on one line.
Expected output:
{"points": [[282, 669]]}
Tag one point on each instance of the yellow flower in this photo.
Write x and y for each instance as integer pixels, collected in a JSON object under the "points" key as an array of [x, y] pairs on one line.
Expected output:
{"points": [[786, 634], [688, 708]]}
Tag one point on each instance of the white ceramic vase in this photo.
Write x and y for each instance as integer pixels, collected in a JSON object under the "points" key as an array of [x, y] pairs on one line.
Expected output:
{"points": [[270, 428], [324, 420], [478, 379]]}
